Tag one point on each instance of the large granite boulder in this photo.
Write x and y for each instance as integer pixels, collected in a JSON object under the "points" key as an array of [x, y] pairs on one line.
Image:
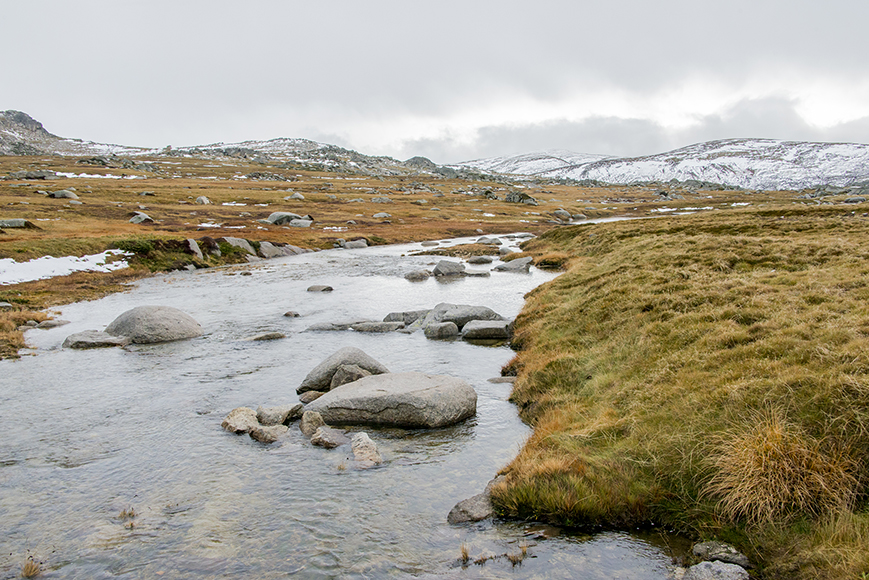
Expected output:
{"points": [[409, 400], [148, 324], [280, 218], [320, 378]]}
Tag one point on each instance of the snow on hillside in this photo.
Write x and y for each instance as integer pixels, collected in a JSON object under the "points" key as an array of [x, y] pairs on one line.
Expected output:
{"points": [[747, 163], [532, 163]]}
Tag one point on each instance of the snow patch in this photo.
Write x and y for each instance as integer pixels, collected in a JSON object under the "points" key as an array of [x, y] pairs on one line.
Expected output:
{"points": [[12, 272]]}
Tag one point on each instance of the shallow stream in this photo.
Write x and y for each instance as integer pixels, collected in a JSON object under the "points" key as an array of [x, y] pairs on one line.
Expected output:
{"points": [[91, 434]]}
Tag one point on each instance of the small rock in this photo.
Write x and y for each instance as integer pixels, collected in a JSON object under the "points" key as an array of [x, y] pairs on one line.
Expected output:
{"points": [[193, 248], [240, 420], [377, 326], [320, 288], [441, 330], [94, 339], [517, 265], [417, 276], [281, 415], [292, 314], [46, 324], [481, 260], [140, 218], [310, 396], [382, 215], [476, 508], [202, 200], [63, 194], [720, 551], [268, 336], [267, 434], [328, 437], [355, 245], [347, 374], [365, 450], [448, 268], [487, 329], [715, 571], [310, 422]]}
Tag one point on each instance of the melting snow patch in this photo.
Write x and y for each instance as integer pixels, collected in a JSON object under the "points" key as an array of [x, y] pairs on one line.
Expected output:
{"points": [[232, 203], [12, 272], [96, 176], [739, 204]]}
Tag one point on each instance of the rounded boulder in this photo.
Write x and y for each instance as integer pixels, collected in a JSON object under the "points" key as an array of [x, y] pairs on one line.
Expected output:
{"points": [[149, 324]]}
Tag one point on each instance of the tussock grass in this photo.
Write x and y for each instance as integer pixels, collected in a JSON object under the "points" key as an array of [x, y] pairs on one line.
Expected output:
{"points": [[707, 372]]}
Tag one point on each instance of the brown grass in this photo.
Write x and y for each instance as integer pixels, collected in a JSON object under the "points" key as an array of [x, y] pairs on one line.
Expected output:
{"points": [[31, 569]]}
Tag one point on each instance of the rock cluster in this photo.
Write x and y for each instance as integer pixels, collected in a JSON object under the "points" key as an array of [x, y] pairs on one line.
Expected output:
{"points": [[720, 562]]}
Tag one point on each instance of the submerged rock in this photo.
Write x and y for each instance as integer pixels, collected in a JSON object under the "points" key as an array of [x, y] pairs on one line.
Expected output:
{"points": [[517, 265], [328, 437], [267, 434], [417, 276], [149, 324], [94, 339], [409, 400]]}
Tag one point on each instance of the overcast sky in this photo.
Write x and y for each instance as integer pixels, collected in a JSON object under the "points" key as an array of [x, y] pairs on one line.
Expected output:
{"points": [[448, 80]]}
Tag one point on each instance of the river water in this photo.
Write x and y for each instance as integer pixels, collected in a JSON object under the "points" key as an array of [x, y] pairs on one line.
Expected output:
{"points": [[91, 434]]}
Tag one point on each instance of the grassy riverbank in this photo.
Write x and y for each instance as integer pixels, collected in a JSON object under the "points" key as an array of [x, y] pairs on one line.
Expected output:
{"points": [[709, 373]]}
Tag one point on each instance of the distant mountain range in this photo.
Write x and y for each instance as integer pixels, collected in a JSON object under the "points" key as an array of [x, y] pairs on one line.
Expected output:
{"points": [[744, 163]]}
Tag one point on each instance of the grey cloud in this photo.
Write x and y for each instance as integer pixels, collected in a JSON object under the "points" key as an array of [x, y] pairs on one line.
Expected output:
{"points": [[771, 118]]}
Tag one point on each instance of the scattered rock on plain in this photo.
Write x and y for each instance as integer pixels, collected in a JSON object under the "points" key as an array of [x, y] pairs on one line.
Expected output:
{"points": [[202, 200], [239, 243]]}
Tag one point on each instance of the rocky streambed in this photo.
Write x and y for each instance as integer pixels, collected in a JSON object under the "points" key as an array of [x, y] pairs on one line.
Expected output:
{"points": [[115, 463]]}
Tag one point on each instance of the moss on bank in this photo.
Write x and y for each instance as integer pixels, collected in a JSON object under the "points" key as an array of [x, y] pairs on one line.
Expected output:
{"points": [[709, 373]]}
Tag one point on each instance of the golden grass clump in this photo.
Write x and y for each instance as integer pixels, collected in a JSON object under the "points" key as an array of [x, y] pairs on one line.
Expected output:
{"points": [[769, 471], [31, 569]]}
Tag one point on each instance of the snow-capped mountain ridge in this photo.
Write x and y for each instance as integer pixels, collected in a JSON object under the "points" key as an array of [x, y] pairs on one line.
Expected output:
{"points": [[746, 163]]}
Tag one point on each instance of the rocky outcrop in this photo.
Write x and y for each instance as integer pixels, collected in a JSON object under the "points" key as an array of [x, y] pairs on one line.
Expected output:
{"points": [[409, 400], [460, 314], [320, 378], [149, 324]]}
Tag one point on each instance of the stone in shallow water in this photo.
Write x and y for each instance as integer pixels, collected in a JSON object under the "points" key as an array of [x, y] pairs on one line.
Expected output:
{"points": [[94, 339], [280, 415], [409, 400], [267, 434], [320, 378], [240, 420], [365, 450], [329, 438], [149, 324]]}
